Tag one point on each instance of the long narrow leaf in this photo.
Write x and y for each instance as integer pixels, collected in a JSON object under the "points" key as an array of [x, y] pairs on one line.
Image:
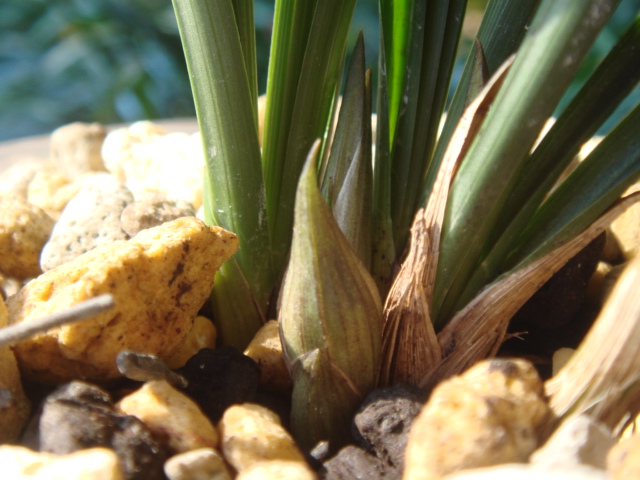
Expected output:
{"points": [[319, 76], [246, 29], [596, 184], [384, 251], [503, 26], [604, 90], [560, 36], [234, 195], [347, 186], [433, 40], [478, 330]]}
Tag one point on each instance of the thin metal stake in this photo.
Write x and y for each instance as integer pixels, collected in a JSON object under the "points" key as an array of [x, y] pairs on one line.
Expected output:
{"points": [[22, 331]]}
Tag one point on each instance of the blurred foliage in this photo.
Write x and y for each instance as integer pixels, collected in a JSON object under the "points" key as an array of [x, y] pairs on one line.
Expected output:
{"points": [[118, 61]]}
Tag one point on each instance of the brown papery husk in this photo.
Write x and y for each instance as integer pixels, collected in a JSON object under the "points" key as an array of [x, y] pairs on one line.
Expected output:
{"points": [[477, 331], [409, 344]]}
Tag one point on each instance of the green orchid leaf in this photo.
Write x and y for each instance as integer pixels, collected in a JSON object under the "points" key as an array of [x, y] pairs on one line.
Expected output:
{"points": [[616, 76], [347, 184], [503, 26], [599, 180], [561, 33], [431, 49], [234, 193], [307, 112]]}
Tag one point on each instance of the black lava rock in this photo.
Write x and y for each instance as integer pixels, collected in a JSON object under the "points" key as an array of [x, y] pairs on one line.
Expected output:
{"points": [[220, 378], [353, 463], [80, 415], [384, 419]]}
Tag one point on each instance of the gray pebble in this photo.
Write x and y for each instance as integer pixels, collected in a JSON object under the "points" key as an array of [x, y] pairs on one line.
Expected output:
{"points": [[353, 463], [151, 211], [91, 218], [79, 416], [384, 421]]}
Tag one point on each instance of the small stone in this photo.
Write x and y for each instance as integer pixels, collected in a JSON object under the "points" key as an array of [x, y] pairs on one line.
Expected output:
{"points": [[9, 286], [145, 367], [623, 460], [51, 192], [200, 464], [203, 334], [220, 378], [147, 159], [579, 440], [251, 433], [79, 416], [486, 416], [278, 470], [353, 463], [384, 420], [266, 350], [521, 471], [171, 416], [152, 210], [24, 230], [15, 179], [560, 358], [91, 218], [158, 280], [75, 148], [19, 463], [14, 404]]}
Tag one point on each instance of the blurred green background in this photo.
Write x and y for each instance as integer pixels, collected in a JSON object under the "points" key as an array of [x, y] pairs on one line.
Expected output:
{"points": [[120, 60]]}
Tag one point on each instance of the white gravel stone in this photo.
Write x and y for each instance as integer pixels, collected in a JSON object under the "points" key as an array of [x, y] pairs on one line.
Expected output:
{"points": [[75, 148], [147, 159], [91, 218], [579, 440], [200, 464], [520, 471]]}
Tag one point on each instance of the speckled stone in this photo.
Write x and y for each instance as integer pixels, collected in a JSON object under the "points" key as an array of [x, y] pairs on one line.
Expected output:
{"points": [[486, 416]]}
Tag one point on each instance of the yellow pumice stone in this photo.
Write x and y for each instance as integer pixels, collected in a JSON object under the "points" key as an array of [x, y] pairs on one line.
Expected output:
{"points": [[159, 280], [171, 415]]}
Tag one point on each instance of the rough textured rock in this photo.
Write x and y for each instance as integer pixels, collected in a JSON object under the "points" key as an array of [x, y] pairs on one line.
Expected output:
{"points": [[152, 210], [203, 334], [159, 280], [51, 192], [200, 464], [14, 405], [79, 416], [579, 440], [266, 350], [251, 433], [147, 159], [486, 416], [277, 470], [519, 471], [384, 420], [220, 378], [19, 463], [24, 230], [91, 218], [353, 463], [623, 460], [171, 416], [75, 148], [15, 179]]}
